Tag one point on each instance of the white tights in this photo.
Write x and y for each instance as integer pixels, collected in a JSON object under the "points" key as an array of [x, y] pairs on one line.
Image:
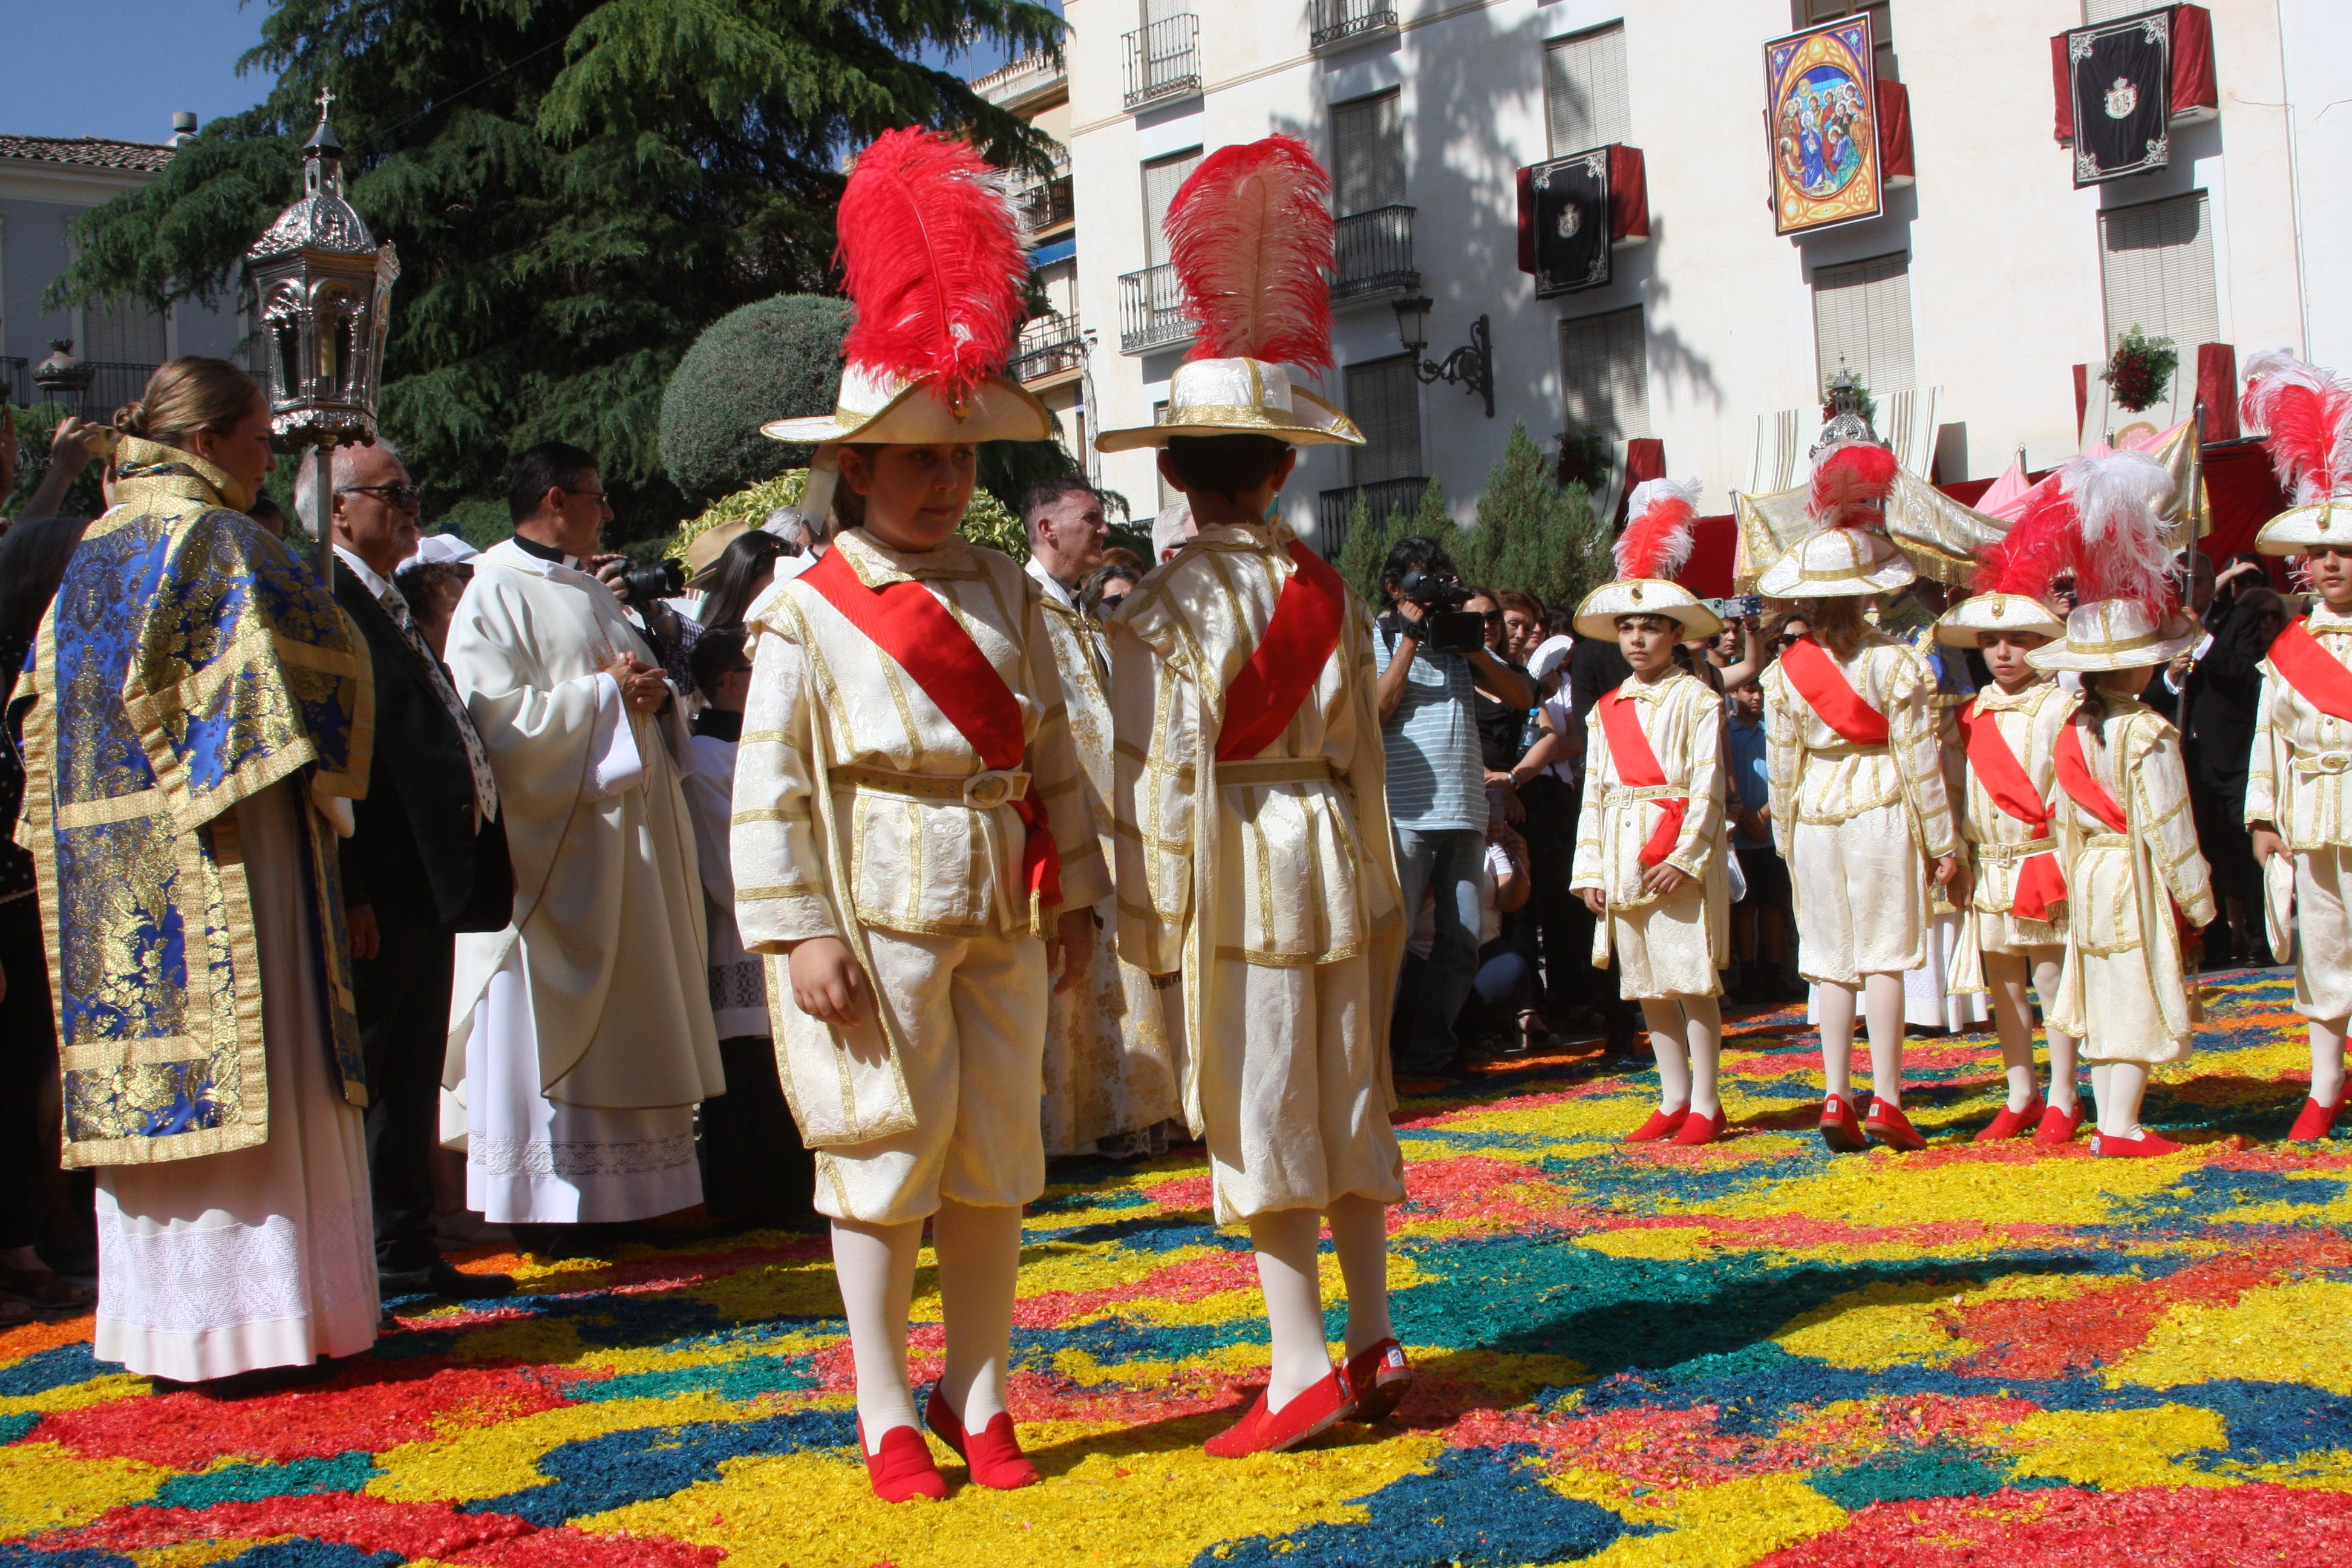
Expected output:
{"points": [[2117, 1088], [1686, 1036], [1284, 1242], [2008, 973], [2328, 1059], [1883, 1001], [979, 1258]]}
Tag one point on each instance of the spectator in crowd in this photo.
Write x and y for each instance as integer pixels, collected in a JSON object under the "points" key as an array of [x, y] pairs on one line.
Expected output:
{"points": [[1733, 657], [266, 511], [72, 444], [1436, 787], [1502, 728], [1120, 555], [433, 589], [1064, 517], [1172, 528], [33, 556], [744, 570], [583, 1027], [1759, 923], [2216, 685], [427, 860], [1498, 1017], [755, 1170], [1109, 585], [1547, 663], [1523, 624]]}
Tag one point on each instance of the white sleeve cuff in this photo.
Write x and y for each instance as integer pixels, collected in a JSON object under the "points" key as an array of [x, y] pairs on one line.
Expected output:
{"points": [[615, 764]]}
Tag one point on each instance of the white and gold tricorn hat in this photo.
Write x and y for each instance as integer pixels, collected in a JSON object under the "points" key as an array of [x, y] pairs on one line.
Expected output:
{"points": [[1845, 553], [1958, 627], [2308, 414], [1656, 545], [1249, 237], [2011, 583], [2100, 524]]}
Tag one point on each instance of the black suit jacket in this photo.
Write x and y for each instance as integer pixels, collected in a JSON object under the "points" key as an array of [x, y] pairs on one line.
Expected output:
{"points": [[2221, 697], [416, 853]]}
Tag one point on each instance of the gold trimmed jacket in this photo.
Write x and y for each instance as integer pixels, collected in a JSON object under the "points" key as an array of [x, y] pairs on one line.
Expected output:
{"points": [[188, 662]]}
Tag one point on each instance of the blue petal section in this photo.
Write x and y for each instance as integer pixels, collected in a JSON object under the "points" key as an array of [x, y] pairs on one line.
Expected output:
{"points": [[622, 1467], [302, 1552], [45, 1370]]}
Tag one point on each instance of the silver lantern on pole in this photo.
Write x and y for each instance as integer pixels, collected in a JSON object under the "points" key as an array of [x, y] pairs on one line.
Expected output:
{"points": [[324, 289]]}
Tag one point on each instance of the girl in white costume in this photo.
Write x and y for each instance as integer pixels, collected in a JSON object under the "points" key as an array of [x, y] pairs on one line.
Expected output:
{"points": [[1650, 859], [1859, 810], [2136, 883], [2298, 787]]}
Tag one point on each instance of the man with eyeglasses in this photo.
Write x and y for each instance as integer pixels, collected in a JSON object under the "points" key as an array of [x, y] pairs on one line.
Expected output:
{"points": [[427, 860]]}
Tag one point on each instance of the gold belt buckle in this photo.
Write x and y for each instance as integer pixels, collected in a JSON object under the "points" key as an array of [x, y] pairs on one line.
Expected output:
{"points": [[993, 788]]}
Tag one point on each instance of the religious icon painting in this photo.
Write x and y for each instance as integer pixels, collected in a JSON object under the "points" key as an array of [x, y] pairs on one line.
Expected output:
{"points": [[1823, 116], [2120, 73]]}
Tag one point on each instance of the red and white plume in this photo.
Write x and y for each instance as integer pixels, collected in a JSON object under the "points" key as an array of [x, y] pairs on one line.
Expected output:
{"points": [[1656, 543], [1250, 238], [1851, 486], [2122, 553], [2309, 413], [934, 256], [2040, 545]]}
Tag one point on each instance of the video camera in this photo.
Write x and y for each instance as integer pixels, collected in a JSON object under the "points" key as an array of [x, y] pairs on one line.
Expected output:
{"points": [[643, 584], [1446, 627]]}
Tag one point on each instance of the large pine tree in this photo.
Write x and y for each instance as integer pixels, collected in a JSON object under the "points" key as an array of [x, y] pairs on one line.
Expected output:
{"points": [[577, 188]]}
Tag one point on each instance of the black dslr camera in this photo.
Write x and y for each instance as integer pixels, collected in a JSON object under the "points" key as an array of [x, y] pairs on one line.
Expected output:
{"points": [[1446, 625], [642, 586]]}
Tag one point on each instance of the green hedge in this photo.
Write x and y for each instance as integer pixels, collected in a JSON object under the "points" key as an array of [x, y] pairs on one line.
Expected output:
{"points": [[780, 358]]}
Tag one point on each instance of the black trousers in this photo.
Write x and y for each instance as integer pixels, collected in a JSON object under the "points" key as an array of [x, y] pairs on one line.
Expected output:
{"points": [[402, 1003], [754, 1167], [28, 1051]]}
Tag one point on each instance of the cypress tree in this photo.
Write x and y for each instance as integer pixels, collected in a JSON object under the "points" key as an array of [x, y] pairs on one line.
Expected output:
{"points": [[576, 187], [1362, 551]]}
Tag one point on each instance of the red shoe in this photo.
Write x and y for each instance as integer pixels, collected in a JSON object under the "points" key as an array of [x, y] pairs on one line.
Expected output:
{"points": [[2058, 1127], [1697, 1130], [2141, 1145], [1891, 1127], [1260, 1431], [2011, 1123], [1661, 1124], [903, 1469], [1379, 1377], [2316, 1121], [1840, 1131], [993, 1453]]}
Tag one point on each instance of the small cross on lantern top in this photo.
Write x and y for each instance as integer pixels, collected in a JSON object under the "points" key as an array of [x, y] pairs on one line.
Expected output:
{"points": [[326, 98]]}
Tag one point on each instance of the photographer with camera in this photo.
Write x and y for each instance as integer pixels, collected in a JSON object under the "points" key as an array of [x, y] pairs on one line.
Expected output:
{"points": [[1432, 661]]}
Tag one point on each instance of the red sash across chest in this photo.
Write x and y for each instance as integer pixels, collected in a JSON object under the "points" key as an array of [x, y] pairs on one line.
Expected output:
{"points": [[1824, 687], [1297, 643], [2040, 881], [2083, 786], [1637, 767], [916, 631], [2316, 675]]}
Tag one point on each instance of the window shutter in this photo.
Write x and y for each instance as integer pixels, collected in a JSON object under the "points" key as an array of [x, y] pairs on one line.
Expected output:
{"points": [[123, 332], [2156, 264], [2095, 11], [1604, 364], [1161, 178], [1585, 97], [1368, 154], [1862, 314], [1384, 400]]}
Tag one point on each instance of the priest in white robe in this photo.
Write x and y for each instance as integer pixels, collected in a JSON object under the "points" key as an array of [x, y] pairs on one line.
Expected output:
{"points": [[581, 1036]]}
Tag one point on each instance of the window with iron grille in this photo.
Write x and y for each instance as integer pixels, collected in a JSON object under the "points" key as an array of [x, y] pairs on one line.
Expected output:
{"points": [[2095, 11], [1367, 154], [1384, 400], [1862, 319], [2156, 269], [1882, 25], [1585, 99], [122, 331], [1161, 177], [1604, 373]]}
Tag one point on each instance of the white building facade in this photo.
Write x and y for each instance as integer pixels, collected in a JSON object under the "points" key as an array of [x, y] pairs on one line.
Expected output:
{"points": [[1978, 292]]}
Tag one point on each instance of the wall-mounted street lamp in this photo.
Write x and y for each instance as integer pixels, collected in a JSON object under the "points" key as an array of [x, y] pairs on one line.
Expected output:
{"points": [[1471, 367]]}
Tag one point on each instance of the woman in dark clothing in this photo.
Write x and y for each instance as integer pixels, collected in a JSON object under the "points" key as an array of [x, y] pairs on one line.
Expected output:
{"points": [[33, 558]]}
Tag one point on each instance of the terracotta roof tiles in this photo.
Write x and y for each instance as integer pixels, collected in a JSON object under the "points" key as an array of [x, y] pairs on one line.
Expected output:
{"points": [[90, 152]]}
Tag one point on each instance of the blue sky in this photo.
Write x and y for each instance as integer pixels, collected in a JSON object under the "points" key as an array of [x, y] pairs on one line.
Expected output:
{"points": [[120, 68]]}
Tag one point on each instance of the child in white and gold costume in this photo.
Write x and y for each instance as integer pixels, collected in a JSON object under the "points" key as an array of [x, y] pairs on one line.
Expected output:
{"points": [[2299, 776], [1650, 859], [2001, 768], [1859, 810], [2129, 843]]}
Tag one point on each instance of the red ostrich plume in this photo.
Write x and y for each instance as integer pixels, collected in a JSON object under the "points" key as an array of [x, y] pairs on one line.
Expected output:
{"points": [[1656, 543], [934, 256], [2039, 546], [2309, 413], [1851, 486], [1250, 238]]}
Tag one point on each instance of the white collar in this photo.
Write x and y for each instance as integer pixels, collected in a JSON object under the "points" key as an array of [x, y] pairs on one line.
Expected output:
{"points": [[507, 552], [379, 586], [1052, 583]]}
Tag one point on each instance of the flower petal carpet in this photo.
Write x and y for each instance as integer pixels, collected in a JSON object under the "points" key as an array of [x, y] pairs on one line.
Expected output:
{"points": [[1757, 1352]]}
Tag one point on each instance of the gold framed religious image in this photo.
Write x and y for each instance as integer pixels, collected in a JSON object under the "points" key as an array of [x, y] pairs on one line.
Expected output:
{"points": [[1822, 98]]}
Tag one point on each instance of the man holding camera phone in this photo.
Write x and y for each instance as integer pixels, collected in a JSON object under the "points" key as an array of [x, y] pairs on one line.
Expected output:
{"points": [[1431, 658], [583, 1029]]}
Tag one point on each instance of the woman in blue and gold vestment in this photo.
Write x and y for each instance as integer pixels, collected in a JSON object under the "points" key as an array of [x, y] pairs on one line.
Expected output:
{"points": [[201, 723]]}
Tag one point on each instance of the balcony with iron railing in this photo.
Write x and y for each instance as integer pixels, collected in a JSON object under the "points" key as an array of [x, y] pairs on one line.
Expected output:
{"points": [[1374, 253], [1152, 313], [1048, 206], [1340, 21], [1050, 345], [1382, 500], [1163, 60]]}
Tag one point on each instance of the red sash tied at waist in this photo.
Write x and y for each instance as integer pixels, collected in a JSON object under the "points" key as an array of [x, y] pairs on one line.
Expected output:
{"points": [[2316, 675], [932, 646], [2040, 881], [1637, 766], [1824, 685], [1290, 656]]}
